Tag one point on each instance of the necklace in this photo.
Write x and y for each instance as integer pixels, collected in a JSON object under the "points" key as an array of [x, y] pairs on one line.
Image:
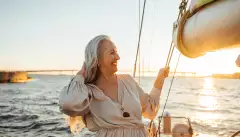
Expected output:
{"points": [[124, 113], [120, 101]]}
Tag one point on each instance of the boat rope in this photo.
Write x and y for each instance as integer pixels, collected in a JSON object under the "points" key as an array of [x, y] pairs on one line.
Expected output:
{"points": [[182, 10], [139, 52], [168, 93], [139, 38]]}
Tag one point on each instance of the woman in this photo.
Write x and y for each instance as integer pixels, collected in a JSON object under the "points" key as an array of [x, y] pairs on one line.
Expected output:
{"points": [[110, 104]]}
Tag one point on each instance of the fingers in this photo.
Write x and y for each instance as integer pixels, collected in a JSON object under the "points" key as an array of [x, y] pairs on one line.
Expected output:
{"points": [[166, 71]]}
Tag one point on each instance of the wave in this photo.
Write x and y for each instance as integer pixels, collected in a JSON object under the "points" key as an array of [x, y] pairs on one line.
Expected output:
{"points": [[18, 117], [3, 106], [203, 109], [32, 125]]}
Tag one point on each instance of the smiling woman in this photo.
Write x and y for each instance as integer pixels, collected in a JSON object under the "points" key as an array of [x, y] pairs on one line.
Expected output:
{"points": [[109, 104]]}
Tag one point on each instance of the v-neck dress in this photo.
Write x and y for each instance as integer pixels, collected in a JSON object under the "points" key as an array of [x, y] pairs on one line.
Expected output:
{"points": [[103, 115]]}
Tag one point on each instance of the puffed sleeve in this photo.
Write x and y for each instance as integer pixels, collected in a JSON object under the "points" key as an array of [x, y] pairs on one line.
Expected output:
{"points": [[74, 99], [150, 102]]}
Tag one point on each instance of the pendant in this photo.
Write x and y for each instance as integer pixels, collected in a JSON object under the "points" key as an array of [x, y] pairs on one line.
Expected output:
{"points": [[126, 114]]}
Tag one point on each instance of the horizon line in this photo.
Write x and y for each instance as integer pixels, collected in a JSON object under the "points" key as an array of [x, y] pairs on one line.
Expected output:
{"points": [[119, 71]]}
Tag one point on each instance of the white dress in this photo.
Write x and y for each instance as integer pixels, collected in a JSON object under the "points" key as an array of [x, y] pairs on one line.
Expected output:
{"points": [[103, 115]]}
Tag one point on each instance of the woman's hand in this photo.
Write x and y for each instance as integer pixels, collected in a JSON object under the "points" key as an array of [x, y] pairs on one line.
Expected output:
{"points": [[82, 71], [162, 74]]}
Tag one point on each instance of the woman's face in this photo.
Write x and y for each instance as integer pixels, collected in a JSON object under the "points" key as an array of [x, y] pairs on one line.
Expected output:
{"points": [[109, 57]]}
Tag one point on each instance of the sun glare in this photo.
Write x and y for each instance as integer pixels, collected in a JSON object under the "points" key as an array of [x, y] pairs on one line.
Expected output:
{"points": [[208, 103], [206, 98], [208, 84]]}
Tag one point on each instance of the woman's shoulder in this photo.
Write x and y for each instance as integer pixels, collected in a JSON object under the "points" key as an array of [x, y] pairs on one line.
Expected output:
{"points": [[130, 83], [126, 78]]}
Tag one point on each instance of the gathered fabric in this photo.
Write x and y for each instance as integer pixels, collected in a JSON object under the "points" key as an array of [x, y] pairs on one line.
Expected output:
{"points": [[104, 116]]}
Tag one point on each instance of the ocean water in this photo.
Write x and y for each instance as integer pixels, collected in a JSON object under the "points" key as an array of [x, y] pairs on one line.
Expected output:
{"points": [[31, 109]]}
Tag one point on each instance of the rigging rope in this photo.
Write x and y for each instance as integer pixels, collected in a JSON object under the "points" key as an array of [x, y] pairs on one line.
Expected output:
{"points": [[139, 38], [139, 23], [182, 10], [168, 93]]}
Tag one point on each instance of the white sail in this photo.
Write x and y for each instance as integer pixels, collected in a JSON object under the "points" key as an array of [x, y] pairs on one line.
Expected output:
{"points": [[216, 26]]}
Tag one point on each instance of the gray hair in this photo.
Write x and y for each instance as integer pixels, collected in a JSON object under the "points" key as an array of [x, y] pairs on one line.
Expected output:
{"points": [[92, 57]]}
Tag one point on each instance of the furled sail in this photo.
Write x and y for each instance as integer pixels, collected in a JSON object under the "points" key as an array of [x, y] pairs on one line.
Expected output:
{"points": [[209, 26]]}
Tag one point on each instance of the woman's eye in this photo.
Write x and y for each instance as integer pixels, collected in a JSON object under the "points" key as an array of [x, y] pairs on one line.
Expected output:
{"points": [[113, 52]]}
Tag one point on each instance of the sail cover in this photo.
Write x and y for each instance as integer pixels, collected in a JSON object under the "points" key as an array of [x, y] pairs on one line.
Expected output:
{"points": [[216, 26], [196, 4]]}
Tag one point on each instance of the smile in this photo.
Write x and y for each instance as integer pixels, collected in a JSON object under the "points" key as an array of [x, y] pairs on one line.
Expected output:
{"points": [[115, 64]]}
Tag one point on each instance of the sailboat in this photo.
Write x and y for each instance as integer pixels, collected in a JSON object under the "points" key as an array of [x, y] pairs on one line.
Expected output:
{"points": [[205, 26]]}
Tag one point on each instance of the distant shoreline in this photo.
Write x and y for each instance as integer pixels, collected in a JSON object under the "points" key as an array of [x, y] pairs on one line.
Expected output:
{"points": [[23, 76], [227, 76], [217, 76]]}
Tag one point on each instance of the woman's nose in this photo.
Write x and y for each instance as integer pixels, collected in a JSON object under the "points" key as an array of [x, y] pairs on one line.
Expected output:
{"points": [[117, 56]]}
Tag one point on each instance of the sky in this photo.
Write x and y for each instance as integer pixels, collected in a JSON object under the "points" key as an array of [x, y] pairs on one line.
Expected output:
{"points": [[52, 34]]}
